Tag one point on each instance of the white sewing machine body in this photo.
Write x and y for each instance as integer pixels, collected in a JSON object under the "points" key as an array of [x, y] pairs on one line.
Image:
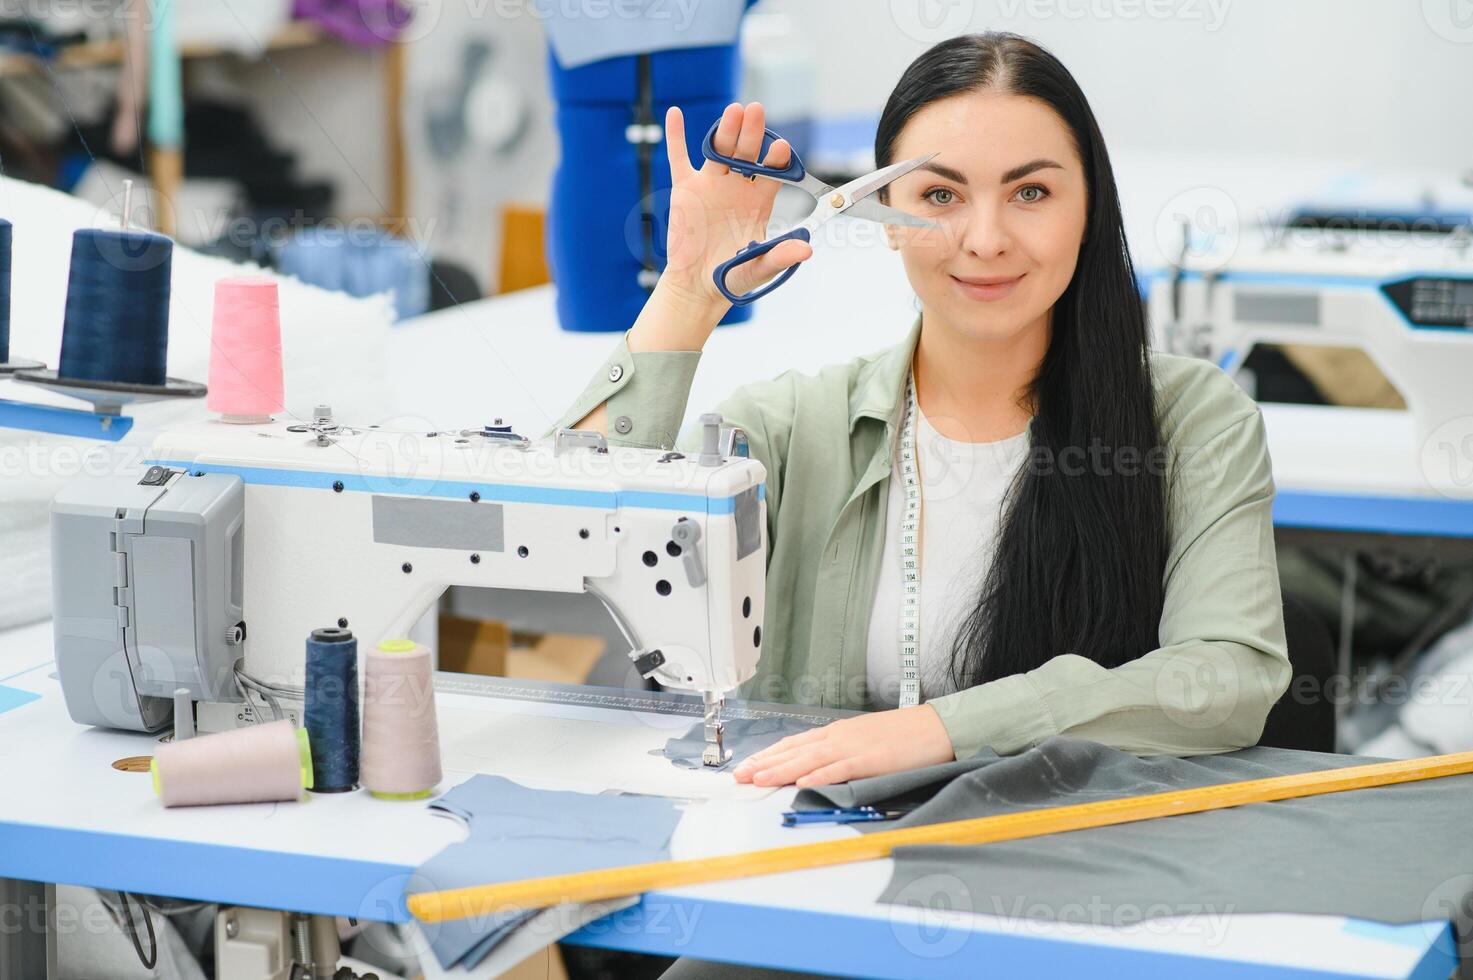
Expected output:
{"points": [[366, 528], [1406, 301]]}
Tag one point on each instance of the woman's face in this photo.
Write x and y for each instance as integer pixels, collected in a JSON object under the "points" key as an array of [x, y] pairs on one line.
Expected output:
{"points": [[1007, 188]]}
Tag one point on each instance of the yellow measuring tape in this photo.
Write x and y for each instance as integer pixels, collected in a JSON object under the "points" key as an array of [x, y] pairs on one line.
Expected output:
{"points": [[592, 886]]}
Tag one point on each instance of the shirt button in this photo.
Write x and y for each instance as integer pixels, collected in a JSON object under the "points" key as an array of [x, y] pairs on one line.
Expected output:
{"points": [[616, 372], [623, 425]]}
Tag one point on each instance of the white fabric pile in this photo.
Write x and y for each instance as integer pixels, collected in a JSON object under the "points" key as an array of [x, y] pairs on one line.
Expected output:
{"points": [[1436, 705], [333, 349]]}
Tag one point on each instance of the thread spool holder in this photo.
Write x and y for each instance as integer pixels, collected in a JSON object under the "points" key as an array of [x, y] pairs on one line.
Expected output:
{"points": [[109, 397], [106, 419], [20, 364]]}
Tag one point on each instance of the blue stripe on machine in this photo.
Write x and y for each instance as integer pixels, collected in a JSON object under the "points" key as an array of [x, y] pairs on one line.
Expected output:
{"points": [[498, 492]]}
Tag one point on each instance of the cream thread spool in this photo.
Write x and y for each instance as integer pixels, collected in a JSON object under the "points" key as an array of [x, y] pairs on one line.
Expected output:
{"points": [[401, 740], [257, 764]]}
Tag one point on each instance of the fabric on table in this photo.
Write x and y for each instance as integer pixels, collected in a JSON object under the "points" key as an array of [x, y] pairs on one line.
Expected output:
{"points": [[516, 833], [744, 737], [1398, 854]]}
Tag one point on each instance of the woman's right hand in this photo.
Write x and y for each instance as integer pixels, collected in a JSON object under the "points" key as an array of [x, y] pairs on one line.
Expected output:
{"points": [[713, 214]]}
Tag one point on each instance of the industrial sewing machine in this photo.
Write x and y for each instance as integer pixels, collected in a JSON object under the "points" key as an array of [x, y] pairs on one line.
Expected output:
{"points": [[200, 581], [1406, 301]]}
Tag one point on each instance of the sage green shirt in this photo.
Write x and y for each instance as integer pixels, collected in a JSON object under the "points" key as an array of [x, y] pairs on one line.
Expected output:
{"points": [[827, 442]]}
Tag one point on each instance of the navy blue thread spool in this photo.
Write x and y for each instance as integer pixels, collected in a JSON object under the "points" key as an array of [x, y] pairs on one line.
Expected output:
{"points": [[6, 238], [117, 308], [7, 364], [330, 709]]}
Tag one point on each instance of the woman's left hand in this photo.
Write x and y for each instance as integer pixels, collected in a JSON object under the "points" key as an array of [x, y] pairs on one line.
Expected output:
{"points": [[871, 744]]}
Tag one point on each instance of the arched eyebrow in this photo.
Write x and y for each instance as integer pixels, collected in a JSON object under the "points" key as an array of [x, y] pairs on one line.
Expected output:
{"points": [[1025, 169], [1020, 171]]}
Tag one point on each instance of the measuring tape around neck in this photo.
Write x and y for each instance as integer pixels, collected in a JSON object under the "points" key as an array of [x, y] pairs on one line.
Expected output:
{"points": [[910, 553]]}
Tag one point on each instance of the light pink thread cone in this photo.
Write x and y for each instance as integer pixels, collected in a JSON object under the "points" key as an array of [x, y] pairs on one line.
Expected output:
{"points": [[245, 350], [256, 764], [401, 738]]}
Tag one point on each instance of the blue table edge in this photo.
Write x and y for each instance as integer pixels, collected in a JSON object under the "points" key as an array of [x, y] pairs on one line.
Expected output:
{"points": [[660, 924]]}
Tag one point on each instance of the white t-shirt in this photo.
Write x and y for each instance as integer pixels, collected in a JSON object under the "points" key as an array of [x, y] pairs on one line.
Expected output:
{"points": [[963, 485]]}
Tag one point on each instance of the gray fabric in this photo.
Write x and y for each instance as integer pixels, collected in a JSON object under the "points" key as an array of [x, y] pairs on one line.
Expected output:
{"points": [[913, 786], [744, 737], [517, 832], [1398, 854]]}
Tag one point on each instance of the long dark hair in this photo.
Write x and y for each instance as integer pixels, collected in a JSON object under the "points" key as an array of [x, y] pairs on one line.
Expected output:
{"points": [[1082, 548]]}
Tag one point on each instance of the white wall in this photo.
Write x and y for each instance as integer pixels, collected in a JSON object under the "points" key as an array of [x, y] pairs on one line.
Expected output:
{"points": [[327, 105], [458, 201], [1330, 87], [1378, 82]]}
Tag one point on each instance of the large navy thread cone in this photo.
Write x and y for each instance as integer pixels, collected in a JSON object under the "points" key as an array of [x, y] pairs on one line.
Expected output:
{"points": [[117, 308]]}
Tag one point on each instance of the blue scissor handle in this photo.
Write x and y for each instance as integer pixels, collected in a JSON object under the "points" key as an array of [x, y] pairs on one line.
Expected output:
{"points": [[747, 254], [793, 171]]}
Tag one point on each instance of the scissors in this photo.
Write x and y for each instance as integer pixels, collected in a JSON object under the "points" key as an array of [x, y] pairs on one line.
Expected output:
{"points": [[851, 199]]}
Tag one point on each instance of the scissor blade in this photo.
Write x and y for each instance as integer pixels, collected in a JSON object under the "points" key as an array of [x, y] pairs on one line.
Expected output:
{"points": [[862, 187], [872, 210]]}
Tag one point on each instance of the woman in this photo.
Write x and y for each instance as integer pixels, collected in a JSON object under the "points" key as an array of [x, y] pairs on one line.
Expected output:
{"points": [[1101, 565]]}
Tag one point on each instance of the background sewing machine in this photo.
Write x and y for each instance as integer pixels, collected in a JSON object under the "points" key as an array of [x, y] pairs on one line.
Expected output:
{"points": [[206, 574], [1405, 300]]}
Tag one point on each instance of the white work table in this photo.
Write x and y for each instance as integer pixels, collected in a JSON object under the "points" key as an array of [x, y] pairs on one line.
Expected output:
{"points": [[1337, 469], [69, 817]]}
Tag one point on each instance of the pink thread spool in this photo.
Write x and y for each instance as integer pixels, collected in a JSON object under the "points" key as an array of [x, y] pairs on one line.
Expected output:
{"points": [[245, 351], [401, 737], [257, 764]]}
